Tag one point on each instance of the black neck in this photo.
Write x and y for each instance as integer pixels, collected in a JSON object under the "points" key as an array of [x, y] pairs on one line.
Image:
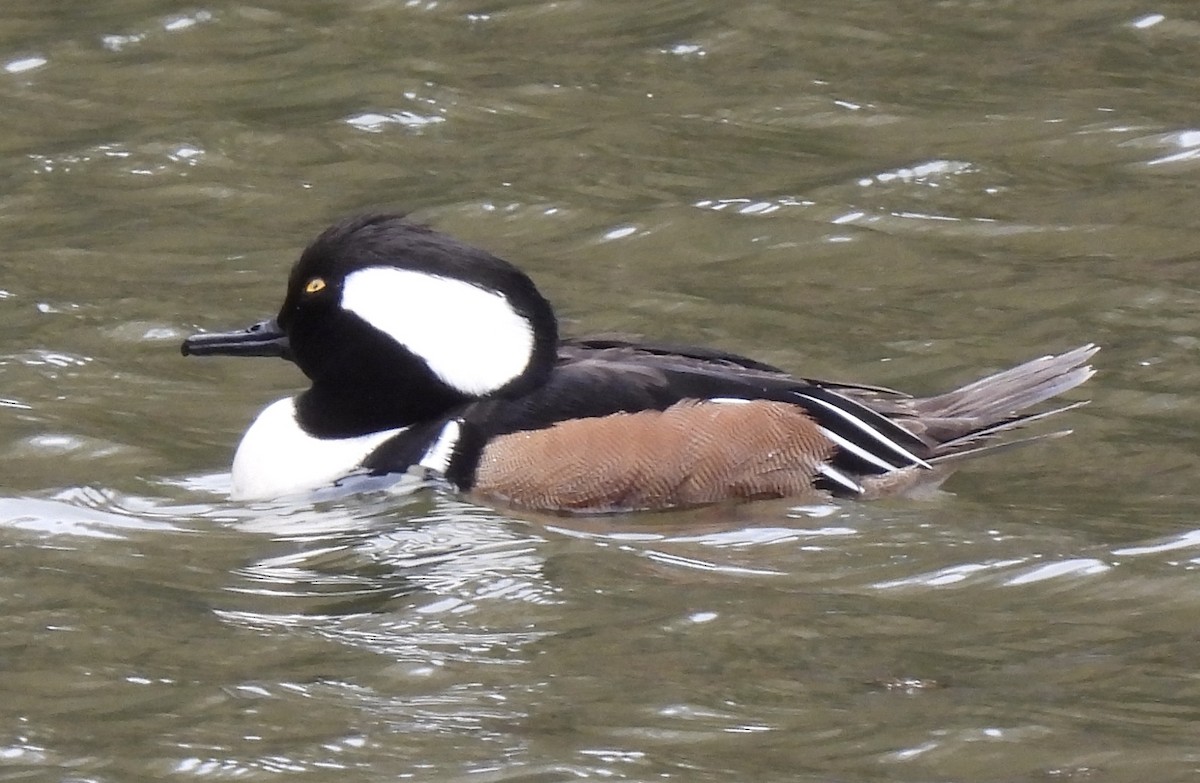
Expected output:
{"points": [[346, 411]]}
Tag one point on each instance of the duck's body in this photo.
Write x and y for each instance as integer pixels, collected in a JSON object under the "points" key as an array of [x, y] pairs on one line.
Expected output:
{"points": [[426, 353]]}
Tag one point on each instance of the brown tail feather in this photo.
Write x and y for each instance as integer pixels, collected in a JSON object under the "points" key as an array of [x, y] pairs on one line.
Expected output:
{"points": [[964, 451], [962, 421], [1011, 391], [981, 436]]}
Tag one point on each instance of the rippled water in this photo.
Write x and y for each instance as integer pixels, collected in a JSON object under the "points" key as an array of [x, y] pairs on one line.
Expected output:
{"points": [[908, 194]]}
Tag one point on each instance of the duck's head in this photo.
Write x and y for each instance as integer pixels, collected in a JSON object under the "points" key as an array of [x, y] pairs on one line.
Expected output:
{"points": [[395, 323]]}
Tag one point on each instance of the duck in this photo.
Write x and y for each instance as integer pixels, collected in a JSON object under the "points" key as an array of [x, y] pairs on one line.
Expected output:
{"points": [[429, 356]]}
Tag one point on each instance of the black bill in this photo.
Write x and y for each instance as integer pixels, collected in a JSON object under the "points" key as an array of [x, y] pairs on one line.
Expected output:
{"points": [[262, 339]]}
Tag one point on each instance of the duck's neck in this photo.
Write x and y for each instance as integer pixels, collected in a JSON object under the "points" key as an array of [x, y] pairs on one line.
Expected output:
{"points": [[351, 410]]}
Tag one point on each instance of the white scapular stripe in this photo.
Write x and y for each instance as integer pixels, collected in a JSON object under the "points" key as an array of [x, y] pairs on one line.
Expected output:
{"points": [[836, 475], [277, 458], [861, 425], [471, 338], [857, 450]]}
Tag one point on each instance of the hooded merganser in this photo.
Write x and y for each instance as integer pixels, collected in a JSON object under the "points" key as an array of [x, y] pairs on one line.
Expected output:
{"points": [[426, 353]]}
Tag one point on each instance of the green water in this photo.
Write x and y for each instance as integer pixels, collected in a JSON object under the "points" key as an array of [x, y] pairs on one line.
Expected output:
{"points": [[909, 194]]}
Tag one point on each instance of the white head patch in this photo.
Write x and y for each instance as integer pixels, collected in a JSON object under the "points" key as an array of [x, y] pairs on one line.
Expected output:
{"points": [[471, 338]]}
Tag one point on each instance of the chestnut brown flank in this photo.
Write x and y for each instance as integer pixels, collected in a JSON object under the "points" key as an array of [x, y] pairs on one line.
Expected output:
{"points": [[690, 454]]}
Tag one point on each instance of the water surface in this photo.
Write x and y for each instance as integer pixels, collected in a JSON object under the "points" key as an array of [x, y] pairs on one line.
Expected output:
{"points": [[909, 194]]}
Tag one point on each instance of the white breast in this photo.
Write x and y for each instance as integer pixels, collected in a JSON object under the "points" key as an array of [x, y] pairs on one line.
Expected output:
{"points": [[277, 458]]}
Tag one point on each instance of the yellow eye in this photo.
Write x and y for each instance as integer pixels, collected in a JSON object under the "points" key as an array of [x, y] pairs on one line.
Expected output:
{"points": [[314, 285]]}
